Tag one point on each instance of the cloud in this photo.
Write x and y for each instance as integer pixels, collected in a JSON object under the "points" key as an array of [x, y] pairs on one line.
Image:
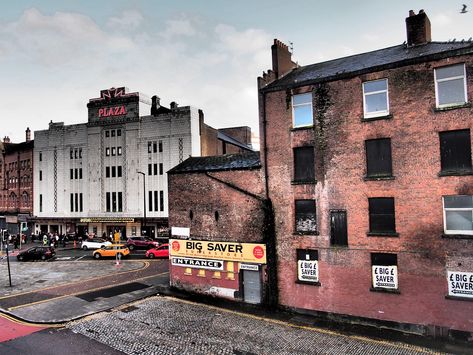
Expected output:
{"points": [[129, 19], [182, 26]]}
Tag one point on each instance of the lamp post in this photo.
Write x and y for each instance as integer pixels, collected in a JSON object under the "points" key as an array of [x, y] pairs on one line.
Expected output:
{"points": [[144, 198]]}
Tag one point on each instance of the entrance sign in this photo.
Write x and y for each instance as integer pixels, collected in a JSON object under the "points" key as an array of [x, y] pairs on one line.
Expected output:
{"points": [[198, 263], [460, 284], [385, 276], [249, 267], [242, 252], [308, 270]]}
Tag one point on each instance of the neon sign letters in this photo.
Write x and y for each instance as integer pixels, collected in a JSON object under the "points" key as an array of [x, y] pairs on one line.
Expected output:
{"points": [[112, 111]]}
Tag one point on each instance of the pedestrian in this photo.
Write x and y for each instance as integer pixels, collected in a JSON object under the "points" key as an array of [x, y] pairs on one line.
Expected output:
{"points": [[45, 239], [56, 240], [116, 237], [15, 241], [63, 239]]}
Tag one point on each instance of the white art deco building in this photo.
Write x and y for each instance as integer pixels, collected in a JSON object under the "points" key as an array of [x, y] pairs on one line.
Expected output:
{"points": [[88, 178]]}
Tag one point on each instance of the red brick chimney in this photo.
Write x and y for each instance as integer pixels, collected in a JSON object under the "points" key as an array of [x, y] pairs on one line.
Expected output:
{"points": [[282, 62], [418, 28], [28, 134]]}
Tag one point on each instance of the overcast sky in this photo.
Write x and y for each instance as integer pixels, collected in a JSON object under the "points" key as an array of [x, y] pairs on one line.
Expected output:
{"points": [[55, 55]]}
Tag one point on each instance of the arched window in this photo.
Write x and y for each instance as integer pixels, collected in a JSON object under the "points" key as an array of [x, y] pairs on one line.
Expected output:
{"points": [[26, 198], [12, 199]]}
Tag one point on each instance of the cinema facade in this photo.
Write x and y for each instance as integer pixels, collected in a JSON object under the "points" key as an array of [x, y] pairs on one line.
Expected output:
{"points": [[110, 173]]}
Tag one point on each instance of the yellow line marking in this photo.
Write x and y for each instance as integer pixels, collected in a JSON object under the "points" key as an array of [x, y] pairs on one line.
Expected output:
{"points": [[81, 292], [309, 328], [10, 318], [145, 266]]}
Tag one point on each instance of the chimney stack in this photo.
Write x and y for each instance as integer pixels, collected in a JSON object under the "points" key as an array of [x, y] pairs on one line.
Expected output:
{"points": [[6, 139], [28, 134], [173, 105], [282, 62], [155, 105], [418, 28]]}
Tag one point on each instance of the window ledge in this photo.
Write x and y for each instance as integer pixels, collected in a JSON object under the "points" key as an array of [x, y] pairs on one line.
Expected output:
{"points": [[308, 182], [376, 118], [457, 236], [382, 234], [308, 283], [314, 233], [462, 172], [301, 128], [452, 107], [385, 290], [456, 298], [379, 178]]}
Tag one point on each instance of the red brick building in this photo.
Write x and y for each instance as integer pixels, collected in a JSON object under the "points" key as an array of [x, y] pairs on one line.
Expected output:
{"points": [[367, 161], [16, 186], [220, 223]]}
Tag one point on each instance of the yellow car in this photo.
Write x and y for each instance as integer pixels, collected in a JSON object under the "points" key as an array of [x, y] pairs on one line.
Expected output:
{"points": [[113, 250]]}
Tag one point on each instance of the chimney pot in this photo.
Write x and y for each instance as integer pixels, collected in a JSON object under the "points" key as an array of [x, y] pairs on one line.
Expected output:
{"points": [[28, 134], [173, 105], [155, 105]]}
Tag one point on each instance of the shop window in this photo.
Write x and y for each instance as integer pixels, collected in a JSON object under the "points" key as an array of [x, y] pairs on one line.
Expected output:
{"points": [[302, 110], [304, 167], [455, 152], [187, 271], [458, 214], [230, 270], [305, 216], [375, 98], [450, 85], [217, 275], [133, 230], [378, 158], [201, 273], [307, 266], [382, 216], [384, 272]]}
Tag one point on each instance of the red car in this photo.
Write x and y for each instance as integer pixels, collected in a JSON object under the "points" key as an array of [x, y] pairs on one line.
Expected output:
{"points": [[141, 243], [159, 252]]}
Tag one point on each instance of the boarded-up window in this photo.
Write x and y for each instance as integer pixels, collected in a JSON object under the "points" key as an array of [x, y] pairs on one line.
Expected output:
{"points": [[378, 157], [304, 169], [455, 150], [381, 211], [305, 216]]}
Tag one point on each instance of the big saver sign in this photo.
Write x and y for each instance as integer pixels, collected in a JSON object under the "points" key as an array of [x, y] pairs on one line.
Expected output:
{"points": [[241, 252]]}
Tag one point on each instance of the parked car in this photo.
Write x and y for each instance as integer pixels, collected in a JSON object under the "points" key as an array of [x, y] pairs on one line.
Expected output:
{"points": [[36, 253], [141, 243], [94, 243], [160, 252], [112, 250]]}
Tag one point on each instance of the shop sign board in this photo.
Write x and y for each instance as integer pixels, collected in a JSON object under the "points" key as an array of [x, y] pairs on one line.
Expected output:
{"points": [[249, 267], [230, 251], [460, 284], [107, 220], [385, 276], [308, 270], [207, 264]]}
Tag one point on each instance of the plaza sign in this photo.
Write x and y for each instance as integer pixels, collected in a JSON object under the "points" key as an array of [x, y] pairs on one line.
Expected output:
{"points": [[112, 111]]}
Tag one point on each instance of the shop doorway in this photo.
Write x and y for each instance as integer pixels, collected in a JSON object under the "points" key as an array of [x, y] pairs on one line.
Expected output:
{"points": [[251, 286], [82, 231]]}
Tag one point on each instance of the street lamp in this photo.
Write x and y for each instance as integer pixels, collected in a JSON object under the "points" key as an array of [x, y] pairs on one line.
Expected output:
{"points": [[144, 198]]}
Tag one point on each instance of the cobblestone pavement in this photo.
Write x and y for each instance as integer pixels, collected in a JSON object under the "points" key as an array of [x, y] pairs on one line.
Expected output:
{"points": [[163, 325]]}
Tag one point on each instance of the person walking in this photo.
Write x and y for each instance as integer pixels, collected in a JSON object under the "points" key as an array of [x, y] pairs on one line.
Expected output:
{"points": [[45, 240]]}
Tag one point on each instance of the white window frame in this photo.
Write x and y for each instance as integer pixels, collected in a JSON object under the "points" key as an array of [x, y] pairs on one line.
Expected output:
{"points": [[299, 105], [465, 93], [376, 113], [460, 232]]}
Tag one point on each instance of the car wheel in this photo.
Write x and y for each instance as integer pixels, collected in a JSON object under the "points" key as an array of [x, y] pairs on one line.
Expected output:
{"points": [[131, 247], [151, 255], [97, 255], [43, 257], [84, 247], [21, 257]]}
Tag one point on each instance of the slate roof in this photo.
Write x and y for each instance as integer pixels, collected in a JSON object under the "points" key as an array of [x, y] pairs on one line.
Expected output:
{"points": [[247, 160], [381, 59], [16, 147]]}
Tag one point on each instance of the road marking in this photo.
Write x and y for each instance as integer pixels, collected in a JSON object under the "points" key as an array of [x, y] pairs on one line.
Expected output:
{"points": [[145, 266], [42, 325], [83, 256], [64, 258], [82, 292], [304, 327]]}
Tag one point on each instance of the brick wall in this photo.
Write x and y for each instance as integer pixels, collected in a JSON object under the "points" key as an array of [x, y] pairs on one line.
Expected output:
{"points": [[423, 255]]}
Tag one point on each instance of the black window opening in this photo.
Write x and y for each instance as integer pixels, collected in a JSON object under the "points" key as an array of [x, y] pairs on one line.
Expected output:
{"points": [[338, 228], [306, 222], [72, 173], [76, 202], [107, 201], [119, 132], [40, 203], [381, 215], [81, 202], [155, 147], [378, 158], [455, 151], [107, 133], [80, 173], [150, 169], [114, 202], [76, 173], [72, 202], [114, 171], [40, 175], [160, 146], [107, 171], [113, 133], [120, 202], [150, 201], [155, 169], [119, 171], [161, 170], [161, 201], [304, 168], [156, 201], [150, 145]]}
